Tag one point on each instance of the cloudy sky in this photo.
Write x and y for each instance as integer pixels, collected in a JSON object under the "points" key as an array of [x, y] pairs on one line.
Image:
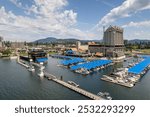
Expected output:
{"points": [[28, 20]]}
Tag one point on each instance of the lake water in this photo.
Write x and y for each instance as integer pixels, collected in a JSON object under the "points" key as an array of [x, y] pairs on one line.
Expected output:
{"points": [[16, 82]]}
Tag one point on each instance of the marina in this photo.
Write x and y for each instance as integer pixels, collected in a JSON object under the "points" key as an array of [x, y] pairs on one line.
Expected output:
{"points": [[123, 76], [27, 85], [129, 77], [88, 67], [70, 84], [81, 66]]}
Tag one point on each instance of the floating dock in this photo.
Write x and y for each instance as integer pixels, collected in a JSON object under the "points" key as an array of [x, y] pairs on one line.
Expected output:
{"points": [[119, 83], [21, 62], [129, 77], [74, 88]]}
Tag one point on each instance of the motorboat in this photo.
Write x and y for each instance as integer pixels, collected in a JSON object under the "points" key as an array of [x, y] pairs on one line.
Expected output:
{"points": [[105, 95], [32, 69], [73, 83]]}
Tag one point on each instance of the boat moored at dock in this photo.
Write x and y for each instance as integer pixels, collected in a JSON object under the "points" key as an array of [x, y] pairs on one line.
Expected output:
{"points": [[121, 77], [105, 95]]}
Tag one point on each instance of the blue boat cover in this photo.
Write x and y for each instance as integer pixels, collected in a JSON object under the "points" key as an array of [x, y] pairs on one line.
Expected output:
{"points": [[72, 61], [41, 60], [138, 68], [91, 65]]}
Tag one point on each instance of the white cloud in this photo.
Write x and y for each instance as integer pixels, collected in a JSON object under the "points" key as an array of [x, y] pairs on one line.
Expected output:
{"points": [[137, 34], [49, 18], [134, 30], [126, 9], [138, 24]]}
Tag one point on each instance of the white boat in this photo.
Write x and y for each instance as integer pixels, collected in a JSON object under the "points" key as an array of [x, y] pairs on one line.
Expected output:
{"points": [[73, 83], [31, 69], [83, 71], [105, 95], [98, 68]]}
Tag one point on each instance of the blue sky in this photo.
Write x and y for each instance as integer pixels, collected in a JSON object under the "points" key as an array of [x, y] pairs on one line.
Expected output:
{"points": [[28, 20]]}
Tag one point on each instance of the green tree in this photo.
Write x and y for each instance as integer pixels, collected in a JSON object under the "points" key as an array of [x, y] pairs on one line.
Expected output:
{"points": [[6, 52]]}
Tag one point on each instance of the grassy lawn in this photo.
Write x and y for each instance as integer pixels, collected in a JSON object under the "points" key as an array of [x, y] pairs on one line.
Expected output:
{"points": [[23, 54], [52, 53], [146, 51]]}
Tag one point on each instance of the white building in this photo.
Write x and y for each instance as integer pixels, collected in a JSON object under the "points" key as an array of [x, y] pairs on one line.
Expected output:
{"points": [[1, 42], [80, 47]]}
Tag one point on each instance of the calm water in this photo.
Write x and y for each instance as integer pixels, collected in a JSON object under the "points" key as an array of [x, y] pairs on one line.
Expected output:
{"points": [[18, 83]]}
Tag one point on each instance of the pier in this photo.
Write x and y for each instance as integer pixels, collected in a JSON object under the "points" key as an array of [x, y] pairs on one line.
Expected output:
{"points": [[21, 62], [74, 88]]}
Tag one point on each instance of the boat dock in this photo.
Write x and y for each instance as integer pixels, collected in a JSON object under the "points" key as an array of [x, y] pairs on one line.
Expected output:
{"points": [[72, 87], [129, 77], [119, 83], [22, 63]]}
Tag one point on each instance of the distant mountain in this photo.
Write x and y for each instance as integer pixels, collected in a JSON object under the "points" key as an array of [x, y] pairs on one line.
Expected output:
{"points": [[73, 41], [138, 41], [46, 40], [62, 41]]}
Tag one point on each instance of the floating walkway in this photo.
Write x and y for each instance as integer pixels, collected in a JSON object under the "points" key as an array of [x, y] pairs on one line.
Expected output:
{"points": [[72, 87], [129, 85], [23, 64]]}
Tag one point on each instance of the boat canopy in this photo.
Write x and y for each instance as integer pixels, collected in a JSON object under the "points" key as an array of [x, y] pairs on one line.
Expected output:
{"points": [[41, 60], [139, 68], [91, 65], [72, 61]]}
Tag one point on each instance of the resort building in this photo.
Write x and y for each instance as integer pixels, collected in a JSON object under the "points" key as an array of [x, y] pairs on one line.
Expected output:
{"points": [[113, 43], [113, 36]]}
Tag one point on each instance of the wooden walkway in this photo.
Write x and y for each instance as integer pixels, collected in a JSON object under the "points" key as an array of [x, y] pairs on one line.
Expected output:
{"points": [[23, 64], [74, 88]]}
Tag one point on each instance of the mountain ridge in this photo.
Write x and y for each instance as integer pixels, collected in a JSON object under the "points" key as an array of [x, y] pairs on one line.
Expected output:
{"points": [[57, 40], [73, 40]]}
